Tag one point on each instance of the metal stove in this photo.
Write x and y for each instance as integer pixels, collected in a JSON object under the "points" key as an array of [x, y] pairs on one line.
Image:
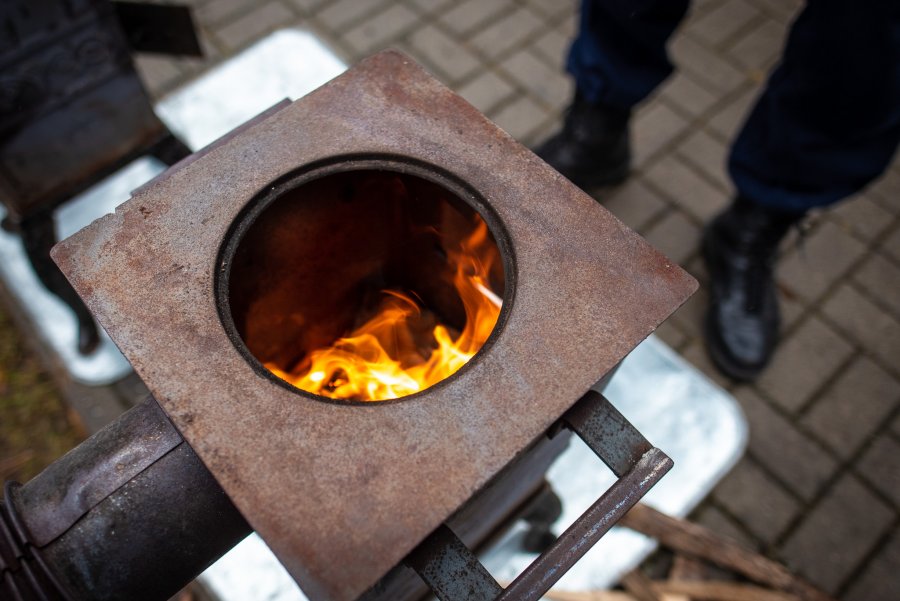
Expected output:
{"points": [[347, 494]]}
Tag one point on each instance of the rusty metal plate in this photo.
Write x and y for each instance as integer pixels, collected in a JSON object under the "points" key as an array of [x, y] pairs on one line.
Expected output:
{"points": [[343, 492]]}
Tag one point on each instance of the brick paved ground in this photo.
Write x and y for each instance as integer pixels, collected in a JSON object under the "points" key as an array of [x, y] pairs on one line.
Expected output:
{"points": [[820, 486]]}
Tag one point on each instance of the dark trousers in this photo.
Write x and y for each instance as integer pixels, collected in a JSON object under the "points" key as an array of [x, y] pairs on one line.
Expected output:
{"points": [[828, 121]]}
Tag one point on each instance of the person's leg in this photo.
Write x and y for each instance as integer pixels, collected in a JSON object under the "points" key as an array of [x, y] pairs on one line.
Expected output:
{"points": [[829, 120], [617, 59], [619, 56], [827, 124]]}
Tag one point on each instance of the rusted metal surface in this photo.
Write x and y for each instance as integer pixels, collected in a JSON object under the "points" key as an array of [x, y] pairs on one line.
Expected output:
{"points": [[455, 574], [638, 465], [607, 432], [341, 492], [509, 496], [577, 540], [451, 571]]}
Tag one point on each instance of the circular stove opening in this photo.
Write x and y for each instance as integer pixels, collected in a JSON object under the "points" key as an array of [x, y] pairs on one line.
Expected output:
{"points": [[363, 282]]}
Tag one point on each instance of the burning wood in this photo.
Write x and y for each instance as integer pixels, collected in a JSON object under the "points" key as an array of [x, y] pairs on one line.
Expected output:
{"points": [[397, 351]]}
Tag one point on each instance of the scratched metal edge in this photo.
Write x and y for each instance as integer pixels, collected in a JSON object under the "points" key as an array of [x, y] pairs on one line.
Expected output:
{"points": [[89, 260]]}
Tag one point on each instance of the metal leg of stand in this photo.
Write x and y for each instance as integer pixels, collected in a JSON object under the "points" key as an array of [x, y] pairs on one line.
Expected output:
{"points": [[454, 573], [544, 510], [170, 150], [38, 233]]}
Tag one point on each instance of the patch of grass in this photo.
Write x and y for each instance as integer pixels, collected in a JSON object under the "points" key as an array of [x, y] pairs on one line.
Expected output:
{"points": [[36, 426]]}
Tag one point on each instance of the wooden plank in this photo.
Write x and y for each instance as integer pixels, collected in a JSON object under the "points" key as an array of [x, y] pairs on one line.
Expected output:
{"points": [[721, 591], [558, 595], [689, 568], [639, 586], [693, 539]]}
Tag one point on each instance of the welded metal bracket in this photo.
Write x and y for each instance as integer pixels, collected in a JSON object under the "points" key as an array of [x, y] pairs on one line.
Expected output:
{"points": [[453, 572]]}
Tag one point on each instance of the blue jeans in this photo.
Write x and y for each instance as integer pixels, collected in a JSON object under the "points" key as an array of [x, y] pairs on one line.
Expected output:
{"points": [[828, 121]]}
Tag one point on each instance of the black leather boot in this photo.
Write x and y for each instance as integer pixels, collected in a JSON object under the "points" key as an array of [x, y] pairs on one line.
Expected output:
{"points": [[742, 322], [593, 147]]}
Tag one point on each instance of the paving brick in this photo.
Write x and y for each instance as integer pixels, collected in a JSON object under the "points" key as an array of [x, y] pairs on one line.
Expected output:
{"points": [[506, 33], [473, 14], [777, 444], [158, 73], [634, 203], [880, 278], [445, 54], [887, 189], [879, 581], [652, 129], [705, 66], [695, 353], [891, 244], [675, 236], [553, 47], [211, 51], [486, 91], [520, 118], [716, 520], [430, 7], [375, 33], [880, 466], [342, 13], [554, 8], [569, 25], [862, 216], [757, 501], [837, 535], [730, 117], [544, 82], [708, 154], [697, 268], [821, 259], [689, 317], [254, 25], [792, 309], [760, 47], [853, 407], [217, 11], [685, 93], [722, 22], [873, 328], [306, 7], [681, 184], [802, 363], [669, 333]]}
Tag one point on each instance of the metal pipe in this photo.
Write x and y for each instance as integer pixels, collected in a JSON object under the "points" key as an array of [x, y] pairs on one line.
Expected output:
{"points": [[131, 513]]}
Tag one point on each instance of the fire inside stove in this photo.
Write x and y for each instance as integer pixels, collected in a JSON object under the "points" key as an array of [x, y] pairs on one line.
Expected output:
{"points": [[364, 285]]}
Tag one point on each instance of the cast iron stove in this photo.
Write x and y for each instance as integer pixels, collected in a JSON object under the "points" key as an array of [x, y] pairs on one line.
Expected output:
{"points": [[342, 491]]}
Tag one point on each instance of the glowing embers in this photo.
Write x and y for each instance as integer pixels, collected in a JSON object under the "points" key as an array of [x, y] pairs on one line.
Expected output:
{"points": [[366, 285]]}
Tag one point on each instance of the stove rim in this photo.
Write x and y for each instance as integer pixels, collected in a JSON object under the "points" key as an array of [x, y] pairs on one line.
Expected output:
{"points": [[466, 192]]}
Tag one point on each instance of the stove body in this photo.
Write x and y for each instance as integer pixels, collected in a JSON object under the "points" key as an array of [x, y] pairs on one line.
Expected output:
{"points": [[343, 492]]}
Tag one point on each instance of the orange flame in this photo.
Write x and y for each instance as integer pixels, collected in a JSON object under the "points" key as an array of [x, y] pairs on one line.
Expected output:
{"points": [[382, 359]]}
